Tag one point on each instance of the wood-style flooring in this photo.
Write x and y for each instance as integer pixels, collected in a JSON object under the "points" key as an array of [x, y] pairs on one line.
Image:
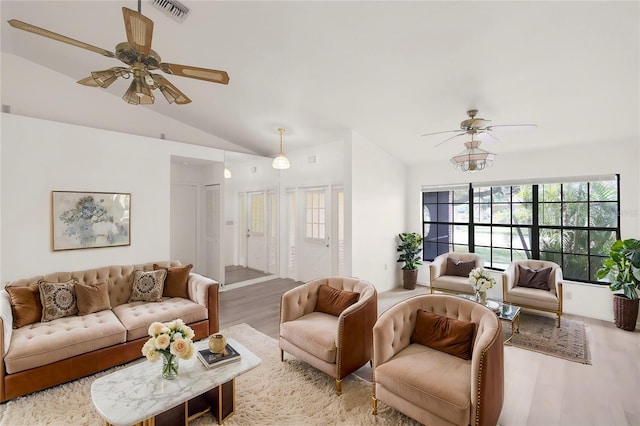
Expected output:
{"points": [[235, 274], [540, 390]]}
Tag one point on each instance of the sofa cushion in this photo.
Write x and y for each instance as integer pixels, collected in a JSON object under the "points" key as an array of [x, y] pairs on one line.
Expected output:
{"points": [[448, 335], [148, 286], [315, 333], [46, 342], [534, 278], [175, 285], [25, 304], [333, 301], [92, 298], [460, 268], [430, 379], [58, 299], [137, 316]]}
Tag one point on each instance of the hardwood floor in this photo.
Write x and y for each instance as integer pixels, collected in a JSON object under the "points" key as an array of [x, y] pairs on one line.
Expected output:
{"points": [[235, 274], [540, 390]]}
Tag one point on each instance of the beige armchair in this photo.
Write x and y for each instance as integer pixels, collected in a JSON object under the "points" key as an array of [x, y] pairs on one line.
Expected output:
{"points": [[445, 277], [431, 386], [337, 343], [548, 298]]}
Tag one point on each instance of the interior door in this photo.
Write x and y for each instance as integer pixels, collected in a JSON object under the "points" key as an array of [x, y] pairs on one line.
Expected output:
{"points": [[315, 259], [184, 225], [256, 233], [212, 232]]}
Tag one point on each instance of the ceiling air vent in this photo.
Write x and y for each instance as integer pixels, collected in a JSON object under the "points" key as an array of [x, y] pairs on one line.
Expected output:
{"points": [[173, 8]]}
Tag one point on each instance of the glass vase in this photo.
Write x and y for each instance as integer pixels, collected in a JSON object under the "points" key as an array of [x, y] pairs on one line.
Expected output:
{"points": [[481, 297], [169, 366]]}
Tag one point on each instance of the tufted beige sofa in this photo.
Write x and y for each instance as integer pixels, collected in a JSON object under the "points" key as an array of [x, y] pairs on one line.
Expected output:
{"points": [[41, 355], [434, 387]]}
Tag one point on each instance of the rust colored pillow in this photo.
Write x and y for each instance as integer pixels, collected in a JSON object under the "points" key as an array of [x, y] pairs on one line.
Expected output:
{"points": [[534, 278], [92, 298], [25, 304], [460, 268], [333, 301], [448, 335], [175, 285]]}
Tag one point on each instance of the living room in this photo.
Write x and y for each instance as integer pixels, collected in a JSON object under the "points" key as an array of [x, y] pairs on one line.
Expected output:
{"points": [[587, 117]]}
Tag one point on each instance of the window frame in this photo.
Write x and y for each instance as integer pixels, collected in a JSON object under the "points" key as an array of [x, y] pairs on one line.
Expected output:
{"points": [[563, 257]]}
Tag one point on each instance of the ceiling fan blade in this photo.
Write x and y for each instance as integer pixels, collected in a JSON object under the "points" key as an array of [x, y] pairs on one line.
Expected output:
{"points": [[171, 92], [522, 126], [139, 30], [58, 37], [485, 133], [452, 137], [205, 74], [438, 133]]}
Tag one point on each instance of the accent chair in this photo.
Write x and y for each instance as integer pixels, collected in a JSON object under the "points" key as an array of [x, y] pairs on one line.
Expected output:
{"points": [[328, 324], [420, 369], [449, 272], [534, 284]]}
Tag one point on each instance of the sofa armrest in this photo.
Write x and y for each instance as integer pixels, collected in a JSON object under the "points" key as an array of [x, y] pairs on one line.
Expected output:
{"points": [[487, 373], [204, 291], [436, 267], [391, 333], [6, 316]]}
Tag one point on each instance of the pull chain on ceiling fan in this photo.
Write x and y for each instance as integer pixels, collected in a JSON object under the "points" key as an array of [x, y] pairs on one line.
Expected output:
{"points": [[140, 59]]}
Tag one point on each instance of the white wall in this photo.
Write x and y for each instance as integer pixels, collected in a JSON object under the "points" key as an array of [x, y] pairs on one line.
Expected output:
{"points": [[377, 213], [40, 156], [608, 157]]}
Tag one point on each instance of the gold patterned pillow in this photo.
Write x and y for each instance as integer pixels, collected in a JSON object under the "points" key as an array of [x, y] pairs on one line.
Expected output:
{"points": [[148, 286], [58, 299]]}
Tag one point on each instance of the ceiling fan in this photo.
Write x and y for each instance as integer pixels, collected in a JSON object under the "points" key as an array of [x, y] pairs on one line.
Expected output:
{"points": [[474, 126], [140, 59]]}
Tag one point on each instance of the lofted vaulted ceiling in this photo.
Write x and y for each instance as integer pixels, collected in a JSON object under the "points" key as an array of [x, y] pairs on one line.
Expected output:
{"points": [[391, 71]]}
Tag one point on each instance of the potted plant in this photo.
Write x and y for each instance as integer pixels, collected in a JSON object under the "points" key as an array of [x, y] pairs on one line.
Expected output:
{"points": [[623, 269], [409, 248]]}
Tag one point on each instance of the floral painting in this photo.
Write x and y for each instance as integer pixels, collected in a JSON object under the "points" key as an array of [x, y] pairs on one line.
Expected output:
{"points": [[90, 219]]}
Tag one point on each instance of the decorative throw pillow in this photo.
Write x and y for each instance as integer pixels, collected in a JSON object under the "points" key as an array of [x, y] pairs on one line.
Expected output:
{"points": [[534, 278], [25, 304], [175, 285], [148, 286], [92, 298], [460, 268], [333, 301], [58, 299], [448, 335]]}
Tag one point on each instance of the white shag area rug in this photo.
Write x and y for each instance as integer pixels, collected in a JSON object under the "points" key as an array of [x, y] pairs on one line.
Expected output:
{"points": [[274, 393]]}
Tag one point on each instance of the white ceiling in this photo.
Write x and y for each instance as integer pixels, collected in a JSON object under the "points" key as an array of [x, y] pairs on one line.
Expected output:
{"points": [[389, 70]]}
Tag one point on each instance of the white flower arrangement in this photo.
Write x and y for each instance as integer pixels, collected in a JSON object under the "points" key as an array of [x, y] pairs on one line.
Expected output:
{"points": [[169, 339], [481, 280]]}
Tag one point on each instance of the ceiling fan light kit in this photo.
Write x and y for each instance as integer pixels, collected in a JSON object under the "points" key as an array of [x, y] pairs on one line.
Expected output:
{"points": [[137, 54], [281, 162], [473, 158]]}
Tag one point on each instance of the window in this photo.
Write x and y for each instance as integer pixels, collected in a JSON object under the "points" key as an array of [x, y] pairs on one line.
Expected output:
{"points": [[315, 214], [572, 223]]}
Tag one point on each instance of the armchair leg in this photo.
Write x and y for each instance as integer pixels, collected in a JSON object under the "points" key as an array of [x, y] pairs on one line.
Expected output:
{"points": [[339, 387], [559, 320], [374, 403], [281, 355]]}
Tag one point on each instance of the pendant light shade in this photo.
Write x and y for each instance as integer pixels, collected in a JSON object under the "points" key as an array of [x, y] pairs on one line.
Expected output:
{"points": [[473, 158], [281, 162]]}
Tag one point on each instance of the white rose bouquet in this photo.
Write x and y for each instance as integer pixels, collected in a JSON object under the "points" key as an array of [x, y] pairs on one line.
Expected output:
{"points": [[170, 341], [481, 280]]}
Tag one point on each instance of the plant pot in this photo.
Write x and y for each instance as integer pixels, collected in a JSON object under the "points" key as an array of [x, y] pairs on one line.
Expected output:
{"points": [[409, 278], [625, 312]]}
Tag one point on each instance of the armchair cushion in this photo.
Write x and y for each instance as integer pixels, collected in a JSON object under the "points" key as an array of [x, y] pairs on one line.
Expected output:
{"points": [[448, 335], [314, 333], [459, 267], [534, 278], [25, 304], [333, 301]]}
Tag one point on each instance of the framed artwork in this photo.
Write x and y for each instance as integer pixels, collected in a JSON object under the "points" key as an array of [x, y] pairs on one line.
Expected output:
{"points": [[90, 219]]}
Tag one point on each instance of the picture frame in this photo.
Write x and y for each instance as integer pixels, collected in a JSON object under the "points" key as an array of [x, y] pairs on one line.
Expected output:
{"points": [[82, 220]]}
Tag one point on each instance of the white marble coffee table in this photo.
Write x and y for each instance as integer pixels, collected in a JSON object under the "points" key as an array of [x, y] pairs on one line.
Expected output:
{"points": [[139, 394]]}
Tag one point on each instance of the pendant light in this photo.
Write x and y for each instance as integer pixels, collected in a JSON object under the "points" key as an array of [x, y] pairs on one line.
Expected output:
{"points": [[281, 162]]}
